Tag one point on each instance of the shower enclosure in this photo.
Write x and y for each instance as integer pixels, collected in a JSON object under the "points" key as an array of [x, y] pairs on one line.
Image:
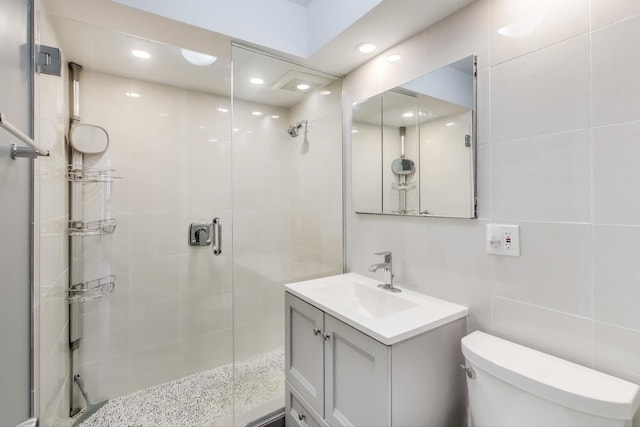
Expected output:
{"points": [[189, 336]]}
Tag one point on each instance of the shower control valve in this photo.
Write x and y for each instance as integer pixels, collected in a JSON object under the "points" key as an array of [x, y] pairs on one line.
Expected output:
{"points": [[200, 234]]}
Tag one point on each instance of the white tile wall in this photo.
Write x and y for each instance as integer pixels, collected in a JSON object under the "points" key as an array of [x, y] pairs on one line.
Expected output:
{"points": [[553, 270], [615, 82], [615, 275], [533, 24], [546, 330], [550, 181], [558, 130], [524, 92], [605, 12], [615, 175], [615, 350]]}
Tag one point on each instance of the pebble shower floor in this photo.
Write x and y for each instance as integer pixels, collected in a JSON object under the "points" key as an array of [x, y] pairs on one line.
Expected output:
{"points": [[202, 399]]}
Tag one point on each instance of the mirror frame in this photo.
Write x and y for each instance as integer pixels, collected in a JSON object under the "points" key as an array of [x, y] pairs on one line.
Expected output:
{"points": [[473, 201]]}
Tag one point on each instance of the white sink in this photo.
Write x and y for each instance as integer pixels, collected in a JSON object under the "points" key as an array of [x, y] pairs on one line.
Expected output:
{"points": [[363, 298], [386, 316]]}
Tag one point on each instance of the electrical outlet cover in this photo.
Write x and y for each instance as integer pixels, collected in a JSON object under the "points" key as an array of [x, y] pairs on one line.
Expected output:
{"points": [[503, 239]]}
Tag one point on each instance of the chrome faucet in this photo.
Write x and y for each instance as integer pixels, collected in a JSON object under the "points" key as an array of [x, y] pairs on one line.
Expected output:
{"points": [[388, 272]]}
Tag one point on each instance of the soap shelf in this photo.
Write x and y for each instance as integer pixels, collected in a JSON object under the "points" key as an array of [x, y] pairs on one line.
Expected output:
{"points": [[92, 289], [91, 175], [92, 228]]}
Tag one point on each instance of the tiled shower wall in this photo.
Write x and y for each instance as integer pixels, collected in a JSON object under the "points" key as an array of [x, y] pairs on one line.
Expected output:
{"points": [[558, 131]]}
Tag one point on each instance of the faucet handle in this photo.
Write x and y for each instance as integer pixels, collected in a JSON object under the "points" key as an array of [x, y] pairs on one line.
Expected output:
{"points": [[386, 254]]}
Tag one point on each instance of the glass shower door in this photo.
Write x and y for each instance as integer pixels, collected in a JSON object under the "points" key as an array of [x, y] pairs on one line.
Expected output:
{"points": [[287, 210], [158, 350]]}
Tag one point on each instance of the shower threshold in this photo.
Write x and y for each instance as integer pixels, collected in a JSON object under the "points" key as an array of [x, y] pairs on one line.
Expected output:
{"points": [[202, 399], [274, 419]]}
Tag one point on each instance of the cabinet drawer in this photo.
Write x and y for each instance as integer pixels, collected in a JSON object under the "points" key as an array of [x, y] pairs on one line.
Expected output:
{"points": [[298, 412]]}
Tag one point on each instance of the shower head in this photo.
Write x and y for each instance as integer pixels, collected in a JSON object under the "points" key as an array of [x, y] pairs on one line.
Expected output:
{"points": [[294, 130]]}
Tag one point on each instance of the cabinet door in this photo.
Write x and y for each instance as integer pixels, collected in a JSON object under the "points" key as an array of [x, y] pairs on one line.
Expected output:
{"points": [[357, 377], [304, 350]]}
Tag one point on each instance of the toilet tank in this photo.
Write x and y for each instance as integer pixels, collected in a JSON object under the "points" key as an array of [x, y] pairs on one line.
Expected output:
{"points": [[513, 385]]}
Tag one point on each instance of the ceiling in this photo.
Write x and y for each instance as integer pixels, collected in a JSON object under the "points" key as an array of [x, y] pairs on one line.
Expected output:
{"points": [[108, 51], [97, 37], [386, 24]]}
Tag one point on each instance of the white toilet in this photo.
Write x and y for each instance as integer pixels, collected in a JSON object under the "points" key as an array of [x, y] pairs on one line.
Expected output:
{"points": [[512, 385]]}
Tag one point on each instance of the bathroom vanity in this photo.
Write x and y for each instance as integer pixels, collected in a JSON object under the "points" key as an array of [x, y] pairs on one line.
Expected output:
{"points": [[357, 355]]}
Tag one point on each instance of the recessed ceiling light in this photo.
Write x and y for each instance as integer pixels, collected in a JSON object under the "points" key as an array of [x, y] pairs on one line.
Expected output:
{"points": [[449, 124], [163, 114], [236, 129], [275, 116], [409, 114], [366, 47], [303, 86], [354, 131], [198, 58], [257, 113], [202, 127], [212, 140], [394, 58], [142, 54], [133, 95], [256, 81], [325, 92], [223, 110]]}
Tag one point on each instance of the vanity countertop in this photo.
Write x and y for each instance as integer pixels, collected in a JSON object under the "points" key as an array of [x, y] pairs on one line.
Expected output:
{"points": [[387, 317]]}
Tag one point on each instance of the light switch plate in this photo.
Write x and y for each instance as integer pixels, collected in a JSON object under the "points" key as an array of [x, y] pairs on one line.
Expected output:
{"points": [[503, 239]]}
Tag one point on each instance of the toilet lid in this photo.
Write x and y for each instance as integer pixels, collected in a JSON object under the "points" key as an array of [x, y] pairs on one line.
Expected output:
{"points": [[552, 378]]}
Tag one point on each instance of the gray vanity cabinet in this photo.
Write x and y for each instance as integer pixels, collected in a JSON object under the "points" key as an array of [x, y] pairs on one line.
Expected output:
{"points": [[336, 375]]}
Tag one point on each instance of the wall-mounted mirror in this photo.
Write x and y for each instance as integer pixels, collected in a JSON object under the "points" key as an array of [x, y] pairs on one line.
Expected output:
{"points": [[414, 146], [89, 139]]}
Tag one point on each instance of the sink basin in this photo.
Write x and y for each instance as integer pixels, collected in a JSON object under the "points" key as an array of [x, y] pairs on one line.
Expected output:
{"points": [[386, 316], [370, 302]]}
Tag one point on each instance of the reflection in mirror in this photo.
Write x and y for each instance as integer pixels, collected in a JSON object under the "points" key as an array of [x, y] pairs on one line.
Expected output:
{"points": [[414, 146]]}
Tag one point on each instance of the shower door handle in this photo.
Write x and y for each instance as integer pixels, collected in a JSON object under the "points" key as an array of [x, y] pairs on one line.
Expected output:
{"points": [[217, 236]]}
